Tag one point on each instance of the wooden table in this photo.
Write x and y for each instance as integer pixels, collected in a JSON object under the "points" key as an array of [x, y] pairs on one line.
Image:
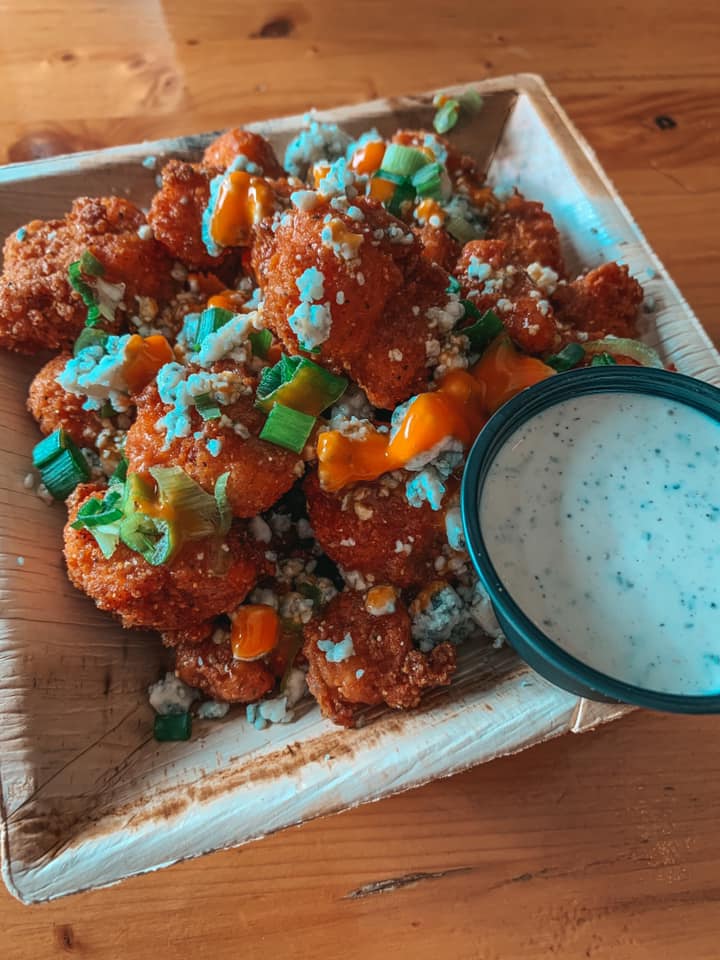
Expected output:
{"points": [[604, 846]]}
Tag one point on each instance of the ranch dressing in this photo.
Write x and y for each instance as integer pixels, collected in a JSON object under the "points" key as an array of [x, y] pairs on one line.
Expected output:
{"points": [[601, 516]]}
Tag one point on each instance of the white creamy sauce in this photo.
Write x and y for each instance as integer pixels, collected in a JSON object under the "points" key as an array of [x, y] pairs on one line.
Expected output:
{"points": [[601, 516]]}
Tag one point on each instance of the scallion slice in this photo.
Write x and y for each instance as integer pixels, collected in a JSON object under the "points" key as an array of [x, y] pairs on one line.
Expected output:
{"points": [[453, 285], [404, 194], [603, 360], [90, 265], [75, 276], [260, 341], [207, 407], [96, 512], [154, 538], [223, 504], [484, 330], [301, 384], [210, 321], [623, 347], [447, 116], [172, 726], [462, 229], [195, 510], [569, 357], [120, 472], [64, 472], [287, 428], [49, 448], [90, 337], [403, 161], [428, 180]]}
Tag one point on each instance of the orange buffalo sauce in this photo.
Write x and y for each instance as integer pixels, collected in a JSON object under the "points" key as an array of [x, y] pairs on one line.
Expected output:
{"points": [[231, 300], [369, 157], [242, 201], [459, 408], [255, 631], [453, 410], [503, 371], [143, 358]]}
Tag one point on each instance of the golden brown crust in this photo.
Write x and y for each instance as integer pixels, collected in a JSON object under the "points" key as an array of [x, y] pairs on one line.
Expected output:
{"points": [[384, 667], [212, 668], [234, 143], [438, 246], [39, 310], [385, 297], [55, 408], [528, 231], [260, 472], [200, 583], [176, 213], [604, 301], [372, 528], [530, 320]]}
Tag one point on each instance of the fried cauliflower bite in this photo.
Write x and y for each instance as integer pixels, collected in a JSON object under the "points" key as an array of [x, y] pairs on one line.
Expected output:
{"points": [[177, 210], [491, 281], [382, 665], [39, 310], [200, 582], [212, 668], [372, 529], [603, 301], [238, 142], [378, 303], [54, 408], [260, 472], [438, 246], [528, 231]]}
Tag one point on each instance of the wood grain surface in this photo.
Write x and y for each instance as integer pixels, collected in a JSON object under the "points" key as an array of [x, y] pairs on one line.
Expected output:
{"points": [[604, 846]]}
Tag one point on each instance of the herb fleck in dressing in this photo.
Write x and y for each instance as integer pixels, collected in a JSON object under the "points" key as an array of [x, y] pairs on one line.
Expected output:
{"points": [[601, 516]]}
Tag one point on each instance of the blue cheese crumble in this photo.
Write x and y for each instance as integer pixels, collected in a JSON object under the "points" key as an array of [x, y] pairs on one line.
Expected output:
{"points": [[214, 446], [97, 374], [311, 321], [318, 141], [265, 712], [178, 388], [171, 696], [425, 487], [477, 270], [337, 652]]}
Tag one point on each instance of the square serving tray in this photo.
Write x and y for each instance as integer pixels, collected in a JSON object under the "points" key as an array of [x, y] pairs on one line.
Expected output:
{"points": [[87, 796]]}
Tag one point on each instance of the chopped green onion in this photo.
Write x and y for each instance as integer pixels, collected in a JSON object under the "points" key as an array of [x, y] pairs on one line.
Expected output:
{"points": [[64, 472], [471, 100], [172, 726], [90, 337], [428, 180], [90, 265], [49, 448], [462, 229], [453, 285], [485, 328], [403, 161], [603, 360], [96, 512], [622, 347], [447, 116], [387, 175], [569, 357], [223, 504], [210, 321], [207, 407], [287, 428], [260, 341], [404, 194], [310, 592], [153, 538], [196, 509], [107, 537], [120, 472], [301, 384], [80, 286]]}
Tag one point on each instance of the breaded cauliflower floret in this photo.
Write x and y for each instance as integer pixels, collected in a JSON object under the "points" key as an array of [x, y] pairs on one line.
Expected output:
{"points": [[490, 280], [603, 301], [260, 472], [358, 658], [212, 668], [528, 231], [373, 530], [375, 301], [202, 581], [39, 310], [226, 148], [177, 210], [54, 408]]}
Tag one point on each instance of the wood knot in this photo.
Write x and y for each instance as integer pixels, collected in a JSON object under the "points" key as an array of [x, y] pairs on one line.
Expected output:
{"points": [[65, 937], [279, 27], [48, 142], [665, 122]]}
